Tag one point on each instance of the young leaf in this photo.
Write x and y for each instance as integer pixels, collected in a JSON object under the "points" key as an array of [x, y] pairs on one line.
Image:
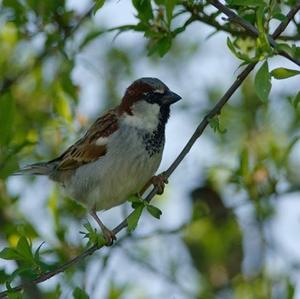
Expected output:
{"points": [[134, 217], [262, 82], [78, 293], [154, 211], [215, 125], [24, 249], [93, 236], [283, 73]]}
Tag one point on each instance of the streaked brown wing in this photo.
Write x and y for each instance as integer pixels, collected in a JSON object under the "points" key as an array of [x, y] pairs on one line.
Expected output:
{"points": [[86, 150]]}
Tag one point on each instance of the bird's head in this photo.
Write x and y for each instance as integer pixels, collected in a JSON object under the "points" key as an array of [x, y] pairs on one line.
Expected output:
{"points": [[148, 99]]}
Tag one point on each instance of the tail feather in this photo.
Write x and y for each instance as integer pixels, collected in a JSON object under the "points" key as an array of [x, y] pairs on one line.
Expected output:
{"points": [[43, 168]]}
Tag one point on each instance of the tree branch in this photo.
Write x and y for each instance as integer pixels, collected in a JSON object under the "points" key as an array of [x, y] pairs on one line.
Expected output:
{"points": [[198, 132], [252, 30]]}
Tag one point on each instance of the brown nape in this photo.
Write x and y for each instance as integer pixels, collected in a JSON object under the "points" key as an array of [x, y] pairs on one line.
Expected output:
{"points": [[133, 94]]}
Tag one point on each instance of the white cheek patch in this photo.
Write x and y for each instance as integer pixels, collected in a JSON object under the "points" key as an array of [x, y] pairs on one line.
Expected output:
{"points": [[145, 116], [161, 91], [101, 141]]}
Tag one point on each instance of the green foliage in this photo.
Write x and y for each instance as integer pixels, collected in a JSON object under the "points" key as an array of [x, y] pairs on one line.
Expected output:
{"points": [[296, 100], [42, 43], [78, 293], [263, 82], [215, 125], [138, 205], [283, 73], [154, 211], [98, 5], [133, 218], [93, 236], [245, 3]]}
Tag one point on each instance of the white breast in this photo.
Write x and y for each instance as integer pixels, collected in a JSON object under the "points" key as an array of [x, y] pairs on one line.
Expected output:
{"points": [[122, 172]]}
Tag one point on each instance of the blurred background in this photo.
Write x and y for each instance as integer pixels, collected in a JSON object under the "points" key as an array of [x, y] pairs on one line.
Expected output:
{"points": [[230, 226]]}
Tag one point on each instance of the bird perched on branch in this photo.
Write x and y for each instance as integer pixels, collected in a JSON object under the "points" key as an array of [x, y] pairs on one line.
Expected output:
{"points": [[118, 155]]}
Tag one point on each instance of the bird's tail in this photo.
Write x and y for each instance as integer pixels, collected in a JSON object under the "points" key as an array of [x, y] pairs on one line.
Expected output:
{"points": [[43, 168]]}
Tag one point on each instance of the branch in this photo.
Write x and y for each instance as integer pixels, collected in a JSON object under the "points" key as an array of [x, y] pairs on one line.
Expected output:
{"points": [[253, 31], [198, 132]]}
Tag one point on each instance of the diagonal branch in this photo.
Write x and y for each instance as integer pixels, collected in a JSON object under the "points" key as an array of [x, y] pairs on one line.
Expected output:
{"points": [[198, 132], [253, 31]]}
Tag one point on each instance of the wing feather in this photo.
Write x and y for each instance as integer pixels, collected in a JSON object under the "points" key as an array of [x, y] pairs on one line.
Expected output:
{"points": [[86, 150]]}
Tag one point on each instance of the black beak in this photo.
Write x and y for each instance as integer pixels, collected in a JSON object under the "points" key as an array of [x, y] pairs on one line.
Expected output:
{"points": [[170, 98]]}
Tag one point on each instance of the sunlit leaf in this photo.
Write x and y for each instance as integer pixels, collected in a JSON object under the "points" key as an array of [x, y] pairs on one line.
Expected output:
{"points": [[283, 73], [134, 217]]}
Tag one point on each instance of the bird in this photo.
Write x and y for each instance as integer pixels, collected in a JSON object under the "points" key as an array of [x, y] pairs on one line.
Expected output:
{"points": [[118, 155]]}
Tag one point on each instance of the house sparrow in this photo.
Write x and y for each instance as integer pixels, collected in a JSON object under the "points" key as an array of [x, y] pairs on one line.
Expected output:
{"points": [[118, 154]]}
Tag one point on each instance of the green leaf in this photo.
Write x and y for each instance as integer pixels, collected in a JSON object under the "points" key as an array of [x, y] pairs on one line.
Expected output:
{"points": [[237, 53], [283, 73], [98, 5], [10, 254], [290, 290], [286, 48], [296, 100], [37, 252], [134, 217], [254, 3], [7, 112], [161, 46], [263, 45], [170, 4], [144, 9], [215, 125], [262, 82], [24, 249], [93, 236], [78, 293], [154, 211]]}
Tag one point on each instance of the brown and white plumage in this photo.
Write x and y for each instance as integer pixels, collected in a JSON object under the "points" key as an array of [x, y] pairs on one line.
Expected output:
{"points": [[119, 153]]}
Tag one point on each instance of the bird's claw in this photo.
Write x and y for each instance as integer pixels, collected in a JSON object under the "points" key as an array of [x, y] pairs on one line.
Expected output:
{"points": [[109, 236], [159, 181]]}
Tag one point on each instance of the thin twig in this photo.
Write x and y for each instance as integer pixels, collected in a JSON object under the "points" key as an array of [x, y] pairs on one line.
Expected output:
{"points": [[198, 132]]}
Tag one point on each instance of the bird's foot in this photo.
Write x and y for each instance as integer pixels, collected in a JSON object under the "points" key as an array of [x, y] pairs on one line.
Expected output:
{"points": [[108, 235], [159, 181]]}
